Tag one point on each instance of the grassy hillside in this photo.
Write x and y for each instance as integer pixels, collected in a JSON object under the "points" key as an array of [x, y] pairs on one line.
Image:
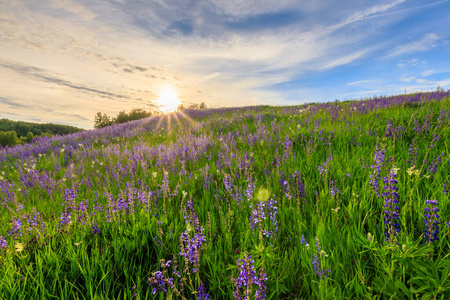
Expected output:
{"points": [[319, 201]]}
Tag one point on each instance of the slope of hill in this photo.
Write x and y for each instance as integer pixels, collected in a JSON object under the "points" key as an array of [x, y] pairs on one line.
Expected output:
{"points": [[318, 201]]}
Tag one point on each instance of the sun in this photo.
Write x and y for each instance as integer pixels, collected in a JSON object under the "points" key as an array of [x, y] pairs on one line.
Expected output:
{"points": [[168, 101]]}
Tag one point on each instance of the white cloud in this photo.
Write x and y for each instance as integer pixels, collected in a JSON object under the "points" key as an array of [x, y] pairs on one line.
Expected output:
{"points": [[426, 43], [408, 79], [344, 60], [360, 82], [428, 73]]}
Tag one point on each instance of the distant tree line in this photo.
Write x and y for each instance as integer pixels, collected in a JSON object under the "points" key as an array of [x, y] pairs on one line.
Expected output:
{"points": [[14, 133], [103, 120], [193, 106]]}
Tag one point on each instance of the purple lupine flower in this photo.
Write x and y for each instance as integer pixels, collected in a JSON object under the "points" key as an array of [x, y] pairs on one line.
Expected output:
{"points": [[375, 177], [250, 188], [303, 241], [436, 137], [16, 227], [95, 229], [191, 246], [228, 182], [317, 266], [333, 189], [295, 180], [391, 214], [247, 278], [413, 153], [165, 184], [431, 221], [202, 294], [3, 243], [263, 210], [206, 177], [324, 168], [159, 283]]}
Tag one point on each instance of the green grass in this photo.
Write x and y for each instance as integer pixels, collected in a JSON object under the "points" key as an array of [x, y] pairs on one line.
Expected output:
{"points": [[71, 262]]}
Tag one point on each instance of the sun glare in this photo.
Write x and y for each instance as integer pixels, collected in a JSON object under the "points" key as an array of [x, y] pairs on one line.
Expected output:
{"points": [[168, 101]]}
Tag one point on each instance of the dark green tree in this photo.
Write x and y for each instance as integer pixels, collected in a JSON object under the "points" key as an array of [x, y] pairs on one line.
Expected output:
{"points": [[102, 120]]}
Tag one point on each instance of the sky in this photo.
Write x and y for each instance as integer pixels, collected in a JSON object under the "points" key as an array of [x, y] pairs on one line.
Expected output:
{"points": [[62, 61]]}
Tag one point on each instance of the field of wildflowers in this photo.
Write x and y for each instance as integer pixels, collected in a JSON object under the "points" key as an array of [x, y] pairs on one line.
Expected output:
{"points": [[338, 200]]}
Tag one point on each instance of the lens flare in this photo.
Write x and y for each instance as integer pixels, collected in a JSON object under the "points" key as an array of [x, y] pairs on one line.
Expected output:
{"points": [[168, 101]]}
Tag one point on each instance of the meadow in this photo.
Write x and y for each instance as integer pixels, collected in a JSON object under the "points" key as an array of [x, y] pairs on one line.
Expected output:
{"points": [[340, 200]]}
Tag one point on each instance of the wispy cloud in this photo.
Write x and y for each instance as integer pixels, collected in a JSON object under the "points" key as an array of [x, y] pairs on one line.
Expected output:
{"points": [[360, 82], [426, 43], [43, 75]]}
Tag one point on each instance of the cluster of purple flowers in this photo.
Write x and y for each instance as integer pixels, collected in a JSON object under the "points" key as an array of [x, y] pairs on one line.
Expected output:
{"points": [[247, 279], [250, 188], [192, 239], [191, 246], [202, 293], [431, 221], [376, 176], [31, 222], [413, 153], [333, 189], [317, 266], [325, 167], [391, 212], [292, 186], [3, 243], [159, 283], [206, 177], [262, 211]]}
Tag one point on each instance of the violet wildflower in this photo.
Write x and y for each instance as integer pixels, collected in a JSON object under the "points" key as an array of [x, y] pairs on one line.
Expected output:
{"points": [[333, 189], [303, 241], [228, 182], [431, 221], [324, 168], [391, 215], [317, 266], [95, 229], [159, 283], [375, 177], [16, 227], [265, 210], [250, 188], [413, 153], [202, 294], [3, 243], [190, 248], [298, 190], [248, 279]]}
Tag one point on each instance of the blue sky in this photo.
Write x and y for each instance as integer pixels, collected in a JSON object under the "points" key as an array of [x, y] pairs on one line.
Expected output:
{"points": [[64, 60]]}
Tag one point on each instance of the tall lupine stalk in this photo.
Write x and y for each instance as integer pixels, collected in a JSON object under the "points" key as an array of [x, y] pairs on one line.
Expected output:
{"points": [[191, 243], [391, 212], [431, 221], [262, 211], [379, 159], [3, 243], [248, 280], [250, 188], [316, 261]]}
